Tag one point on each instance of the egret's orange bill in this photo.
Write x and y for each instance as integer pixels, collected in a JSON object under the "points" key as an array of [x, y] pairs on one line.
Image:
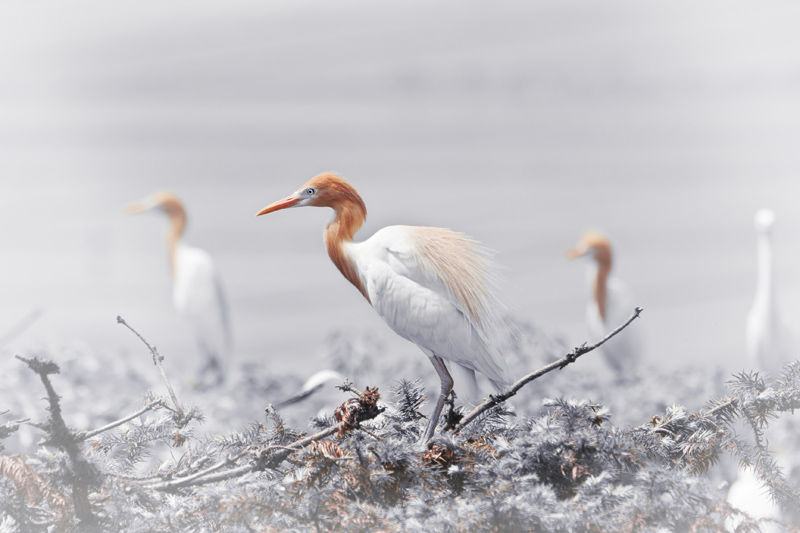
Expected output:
{"points": [[577, 251], [289, 201], [138, 207]]}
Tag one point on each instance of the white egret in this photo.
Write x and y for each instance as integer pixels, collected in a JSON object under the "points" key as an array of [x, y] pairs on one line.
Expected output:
{"points": [[610, 303], [432, 286], [197, 292]]}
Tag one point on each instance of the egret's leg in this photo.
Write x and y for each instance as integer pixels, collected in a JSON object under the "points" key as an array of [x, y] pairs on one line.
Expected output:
{"points": [[447, 386], [212, 374]]}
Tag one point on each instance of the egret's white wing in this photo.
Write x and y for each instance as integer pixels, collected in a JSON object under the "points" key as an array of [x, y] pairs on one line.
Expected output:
{"points": [[419, 306]]}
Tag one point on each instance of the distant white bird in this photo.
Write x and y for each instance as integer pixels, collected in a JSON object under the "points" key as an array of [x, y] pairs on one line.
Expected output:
{"points": [[770, 342], [749, 495], [314, 384], [197, 292], [610, 304], [432, 286]]}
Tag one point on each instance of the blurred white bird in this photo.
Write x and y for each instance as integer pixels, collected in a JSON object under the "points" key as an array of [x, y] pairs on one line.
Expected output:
{"points": [[770, 342], [197, 292], [749, 495], [432, 286], [610, 304], [314, 384]]}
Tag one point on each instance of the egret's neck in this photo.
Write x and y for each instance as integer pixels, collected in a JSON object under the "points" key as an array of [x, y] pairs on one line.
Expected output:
{"points": [[348, 219], [765, 288], [177, 225], [600, 282]]}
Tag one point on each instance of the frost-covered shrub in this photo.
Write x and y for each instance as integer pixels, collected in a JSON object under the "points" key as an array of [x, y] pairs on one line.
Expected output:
{"points": [[558, 464]]}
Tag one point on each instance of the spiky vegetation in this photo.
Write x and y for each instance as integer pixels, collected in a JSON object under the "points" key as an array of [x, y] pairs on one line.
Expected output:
{"points": [[566, 466]]}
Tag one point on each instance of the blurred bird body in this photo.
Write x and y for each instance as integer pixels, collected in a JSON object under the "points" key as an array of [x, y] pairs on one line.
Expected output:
{"points": [[431, 286], [610, 303], [770, 341], [196, 288], [748, 494], [313, 385]]}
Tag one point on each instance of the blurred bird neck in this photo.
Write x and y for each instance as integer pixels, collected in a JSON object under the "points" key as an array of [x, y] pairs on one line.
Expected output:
{"points": [[177, 225], [765, 288], [600, 283], [350, 215]]}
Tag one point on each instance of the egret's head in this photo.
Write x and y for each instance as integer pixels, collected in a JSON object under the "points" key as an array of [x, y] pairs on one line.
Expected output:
{"points": [[165, 201], [764, 220], [323, 190], [592, 243]]}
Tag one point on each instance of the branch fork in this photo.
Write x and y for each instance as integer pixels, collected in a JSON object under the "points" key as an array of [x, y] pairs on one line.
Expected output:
{"points": [[571, 357]]}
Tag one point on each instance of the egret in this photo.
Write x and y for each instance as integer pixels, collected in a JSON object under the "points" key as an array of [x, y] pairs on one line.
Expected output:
{"points": [[749, 495], [196, 289], [610, 303], [770, 342], [432, 286]]}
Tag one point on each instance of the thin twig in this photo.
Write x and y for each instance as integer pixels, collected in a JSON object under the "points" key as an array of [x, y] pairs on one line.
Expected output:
{"points": [[495, 399], [83, 435], [156, 361], [183, 482], [15, 422], [723, 405], [302, 443]]}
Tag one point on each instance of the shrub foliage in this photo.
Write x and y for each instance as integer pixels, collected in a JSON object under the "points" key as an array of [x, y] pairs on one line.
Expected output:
{"points": [[567, 467]]}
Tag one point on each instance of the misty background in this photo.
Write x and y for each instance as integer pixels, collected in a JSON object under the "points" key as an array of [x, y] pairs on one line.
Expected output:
{"points": [[522, 124]]}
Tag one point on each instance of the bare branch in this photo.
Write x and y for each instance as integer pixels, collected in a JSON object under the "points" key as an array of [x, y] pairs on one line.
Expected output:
{"points": [[496, 399], [59, 435], [83, 435], [10, 427], [211, 474], [156, 361], [190, 479], [350, 415]]}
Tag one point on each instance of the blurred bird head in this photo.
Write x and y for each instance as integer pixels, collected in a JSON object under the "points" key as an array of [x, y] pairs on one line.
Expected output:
{"points": [[764, 220], [165, 201], [592, 243]]}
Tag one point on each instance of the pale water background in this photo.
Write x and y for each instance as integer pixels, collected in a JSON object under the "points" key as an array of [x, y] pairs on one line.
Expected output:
{"points": [[520, 123]]}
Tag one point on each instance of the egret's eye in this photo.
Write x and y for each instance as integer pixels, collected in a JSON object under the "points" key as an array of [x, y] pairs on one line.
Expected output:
{"points": [[311, 191]]}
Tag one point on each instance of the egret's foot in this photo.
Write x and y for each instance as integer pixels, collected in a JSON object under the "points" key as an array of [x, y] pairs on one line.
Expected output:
{"points": [[211, 375]]}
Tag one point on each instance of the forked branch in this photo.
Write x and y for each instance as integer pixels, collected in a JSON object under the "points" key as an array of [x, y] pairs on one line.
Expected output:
{"points": [[496, 399]]}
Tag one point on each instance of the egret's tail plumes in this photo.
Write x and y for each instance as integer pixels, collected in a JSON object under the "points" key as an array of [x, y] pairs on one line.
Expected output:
{"points": [[467, 271]]}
